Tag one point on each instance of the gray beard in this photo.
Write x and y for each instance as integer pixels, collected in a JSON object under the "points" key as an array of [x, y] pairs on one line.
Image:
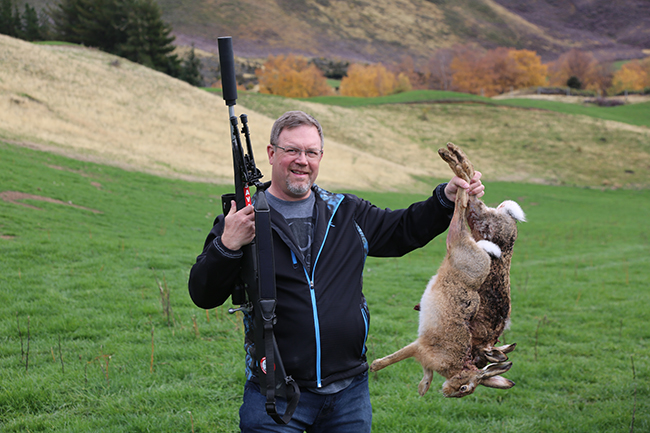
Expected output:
{"points": [[298, 189]]}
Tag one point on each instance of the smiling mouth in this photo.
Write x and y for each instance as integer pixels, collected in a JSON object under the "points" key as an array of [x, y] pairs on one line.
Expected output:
{"points": [[299, 173]]}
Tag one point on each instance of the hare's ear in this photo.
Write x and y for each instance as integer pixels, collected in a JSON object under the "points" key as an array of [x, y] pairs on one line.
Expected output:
{"points": [[499, 382], [494, 369], [490, 376], [507, 348], [511, 208], [498, 354]]}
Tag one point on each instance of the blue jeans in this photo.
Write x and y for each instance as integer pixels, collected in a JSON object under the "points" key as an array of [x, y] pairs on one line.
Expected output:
{"points": [[347, 411]]}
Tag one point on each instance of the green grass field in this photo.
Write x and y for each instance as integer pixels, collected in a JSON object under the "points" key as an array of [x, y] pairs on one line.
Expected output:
{"points": [[97, 331]]}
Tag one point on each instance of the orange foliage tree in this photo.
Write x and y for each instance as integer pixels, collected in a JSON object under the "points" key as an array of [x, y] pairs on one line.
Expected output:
{"points": [[291, 76], [575, 63], [471, 73], [531, 70], [372, 80], [634, 75], [496, 71]]}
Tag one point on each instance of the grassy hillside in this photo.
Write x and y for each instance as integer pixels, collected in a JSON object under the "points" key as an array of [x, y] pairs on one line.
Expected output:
{"points": [[512, 140], [95, 106], [99, 333]]}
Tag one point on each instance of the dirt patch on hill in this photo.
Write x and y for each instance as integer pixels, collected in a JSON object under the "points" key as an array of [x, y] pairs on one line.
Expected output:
{"points": [[16, 197]]}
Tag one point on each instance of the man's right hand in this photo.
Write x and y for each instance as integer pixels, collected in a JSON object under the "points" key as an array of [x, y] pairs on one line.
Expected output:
{"points": [[239, 227]]}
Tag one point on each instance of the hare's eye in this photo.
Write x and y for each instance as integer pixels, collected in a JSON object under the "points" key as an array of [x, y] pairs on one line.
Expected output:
{"points": [[464, 388]]}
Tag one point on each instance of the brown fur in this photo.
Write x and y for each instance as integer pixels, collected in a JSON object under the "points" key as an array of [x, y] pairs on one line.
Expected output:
{"points": [[499, 226], [494, 314], [451, 306]]}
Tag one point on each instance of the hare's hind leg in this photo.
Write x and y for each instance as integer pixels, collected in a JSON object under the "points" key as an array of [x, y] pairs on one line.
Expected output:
{"points": [[458, 161], [403, 353]]}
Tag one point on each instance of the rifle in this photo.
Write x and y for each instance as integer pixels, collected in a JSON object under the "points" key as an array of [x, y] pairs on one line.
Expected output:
{"points": [[258, 265]]}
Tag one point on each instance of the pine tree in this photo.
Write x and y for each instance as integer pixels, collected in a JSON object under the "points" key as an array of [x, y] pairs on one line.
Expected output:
{"points": [[129, 28], [190, 69], [7, 23], [17, 23], [32, 29], [101, 23], [148, 39], [66, 19]]}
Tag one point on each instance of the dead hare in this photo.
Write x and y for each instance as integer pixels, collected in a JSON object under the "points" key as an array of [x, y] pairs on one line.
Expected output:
{"points": [[466, 305]]}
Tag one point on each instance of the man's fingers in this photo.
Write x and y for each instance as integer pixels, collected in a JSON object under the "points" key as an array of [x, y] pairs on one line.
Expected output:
{"points": [[233, 207]]}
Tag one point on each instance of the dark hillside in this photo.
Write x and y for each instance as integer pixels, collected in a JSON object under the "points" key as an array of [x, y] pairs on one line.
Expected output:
{"points": [[613, 29], [385, 30]]}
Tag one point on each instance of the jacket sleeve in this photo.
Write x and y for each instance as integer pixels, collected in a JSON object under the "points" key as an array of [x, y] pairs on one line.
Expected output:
{"points": [[216, 271], [395, 233]]}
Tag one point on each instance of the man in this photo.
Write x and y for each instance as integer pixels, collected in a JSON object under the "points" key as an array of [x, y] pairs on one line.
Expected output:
{"points": [[320, 240]]}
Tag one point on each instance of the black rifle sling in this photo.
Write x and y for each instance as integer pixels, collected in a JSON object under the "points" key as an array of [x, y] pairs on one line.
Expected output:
{"points": [[267, 301]]}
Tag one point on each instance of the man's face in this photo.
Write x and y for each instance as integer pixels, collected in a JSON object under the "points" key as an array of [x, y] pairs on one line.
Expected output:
{"points": [[295, 162]]}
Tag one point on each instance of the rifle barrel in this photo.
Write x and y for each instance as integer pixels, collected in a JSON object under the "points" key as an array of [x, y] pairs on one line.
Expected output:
{"points": [[227, 62]]}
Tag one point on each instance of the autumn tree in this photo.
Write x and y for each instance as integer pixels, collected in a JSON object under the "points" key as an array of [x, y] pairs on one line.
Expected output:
{"points": [[291, 76], [496, 71], [575, 63], [438, 70], [531, 71], [372, 80], [472, 73], [409, 70], [633, 76], [602, 75]]}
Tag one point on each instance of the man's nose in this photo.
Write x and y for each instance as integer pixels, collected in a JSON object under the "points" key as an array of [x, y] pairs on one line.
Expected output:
{"points": [[302, 158]]}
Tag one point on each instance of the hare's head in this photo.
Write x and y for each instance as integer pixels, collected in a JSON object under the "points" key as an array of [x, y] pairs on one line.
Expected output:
{"points": [[465, 382], [497, 225]]}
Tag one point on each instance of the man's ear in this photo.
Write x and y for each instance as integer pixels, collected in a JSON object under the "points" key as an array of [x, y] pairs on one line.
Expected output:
{"points": [[270, 151]]}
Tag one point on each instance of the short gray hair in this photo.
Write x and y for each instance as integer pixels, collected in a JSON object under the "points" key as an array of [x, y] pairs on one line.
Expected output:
{"points": [[294, 119]]}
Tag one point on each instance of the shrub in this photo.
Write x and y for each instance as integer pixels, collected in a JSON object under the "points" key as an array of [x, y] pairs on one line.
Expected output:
{"points": [[574, 82]]}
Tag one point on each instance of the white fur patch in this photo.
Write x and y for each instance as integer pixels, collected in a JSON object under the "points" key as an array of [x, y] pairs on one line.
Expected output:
{"points": [[513, 209], [428, 316], [490, 247]]}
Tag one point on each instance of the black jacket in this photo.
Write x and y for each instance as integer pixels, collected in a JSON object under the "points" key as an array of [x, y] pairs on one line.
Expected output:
{"points": [[323, 318]]}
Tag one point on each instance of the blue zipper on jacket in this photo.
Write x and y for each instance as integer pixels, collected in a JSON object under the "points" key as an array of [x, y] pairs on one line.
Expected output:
{"points": [[312, 292], [365, 337]]}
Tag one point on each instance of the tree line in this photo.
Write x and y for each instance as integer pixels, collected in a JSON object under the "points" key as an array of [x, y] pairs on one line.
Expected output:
{"points": [[132, 29], [463, 68]]}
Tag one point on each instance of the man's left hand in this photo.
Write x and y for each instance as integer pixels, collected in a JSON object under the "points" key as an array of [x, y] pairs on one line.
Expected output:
{"points": [[475, 187]]}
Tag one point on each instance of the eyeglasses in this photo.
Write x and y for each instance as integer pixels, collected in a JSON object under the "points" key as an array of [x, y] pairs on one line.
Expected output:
{"points": [[295, 153]]}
